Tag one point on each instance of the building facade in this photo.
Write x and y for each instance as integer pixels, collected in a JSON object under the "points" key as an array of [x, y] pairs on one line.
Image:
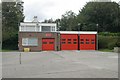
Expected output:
{"points": [[45, 37]]}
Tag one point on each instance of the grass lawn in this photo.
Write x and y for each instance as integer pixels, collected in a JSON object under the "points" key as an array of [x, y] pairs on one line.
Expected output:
{"points": [[105, 50], [7, 50]]}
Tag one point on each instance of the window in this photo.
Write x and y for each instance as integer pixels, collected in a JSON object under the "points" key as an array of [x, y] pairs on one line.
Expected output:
{"points": [[92, 42], [63, 39], [74, 42], [81, 39], [69, 42], [24, 41], [87, 42], [45, 28], [81, 42], [52, 28], [32, 41], [69, 39], [50, 42], [37, 28], [44, 42], [22, 28], [74, 39], [87, 39], [29, 41], [63, 42], [29, 28]]}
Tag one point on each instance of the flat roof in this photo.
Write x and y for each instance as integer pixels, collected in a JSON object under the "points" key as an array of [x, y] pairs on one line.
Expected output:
{"points": [[34, 23], [78, 32]]}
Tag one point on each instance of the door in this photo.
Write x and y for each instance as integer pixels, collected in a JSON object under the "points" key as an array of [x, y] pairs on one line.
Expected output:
{"points": [[69, 42], [48, 44], [87, 42]]}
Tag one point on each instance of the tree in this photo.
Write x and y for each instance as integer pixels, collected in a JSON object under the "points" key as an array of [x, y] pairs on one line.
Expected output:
{"points": [[68, 21], [106, 14], [12, 15], [57, 21], [48, 21]]}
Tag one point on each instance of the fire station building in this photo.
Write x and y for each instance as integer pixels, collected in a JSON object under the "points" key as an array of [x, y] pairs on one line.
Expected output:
{"points": [[44, 37]]}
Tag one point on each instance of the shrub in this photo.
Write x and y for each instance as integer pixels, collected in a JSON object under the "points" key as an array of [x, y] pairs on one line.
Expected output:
{"points": [[111, 45], [11, 43], [118, 42], [102, 42], [107, 42]]}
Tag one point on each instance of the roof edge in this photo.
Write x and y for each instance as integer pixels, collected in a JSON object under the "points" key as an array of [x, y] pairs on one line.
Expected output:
{"points": [[78, 32]]}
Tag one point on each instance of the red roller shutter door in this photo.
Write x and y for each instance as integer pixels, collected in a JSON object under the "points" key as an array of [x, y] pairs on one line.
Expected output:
{"points": [[48, 44], [87, 42], [69, 42]]}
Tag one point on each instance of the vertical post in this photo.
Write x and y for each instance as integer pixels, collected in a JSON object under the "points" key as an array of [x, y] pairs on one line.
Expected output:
{"points": [[118, 38], [1, 41], [79, 36], [18, 41], [20, 57], [97, 37]]}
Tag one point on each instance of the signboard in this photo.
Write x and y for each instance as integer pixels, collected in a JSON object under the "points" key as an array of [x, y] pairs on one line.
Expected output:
{"points": [[48, 34]]}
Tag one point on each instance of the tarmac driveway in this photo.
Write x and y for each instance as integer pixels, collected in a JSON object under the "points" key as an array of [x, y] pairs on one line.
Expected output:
{"points": [[61, 64]]}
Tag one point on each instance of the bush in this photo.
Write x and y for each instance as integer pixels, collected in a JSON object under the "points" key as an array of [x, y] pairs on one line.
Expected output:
{"points": [[102, 42], [109, 34], [11, 43], [118, 42], [107, 42], [111, 45]]}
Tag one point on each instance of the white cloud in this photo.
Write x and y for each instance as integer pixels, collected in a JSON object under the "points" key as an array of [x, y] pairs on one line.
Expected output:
{"points": [[46, 9]]}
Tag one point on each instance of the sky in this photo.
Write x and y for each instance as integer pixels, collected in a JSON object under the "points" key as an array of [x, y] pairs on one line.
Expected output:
{"points": [[47, 9]]}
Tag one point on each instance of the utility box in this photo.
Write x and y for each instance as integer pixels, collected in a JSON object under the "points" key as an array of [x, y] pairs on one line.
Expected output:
{"points": [[26, 49]]}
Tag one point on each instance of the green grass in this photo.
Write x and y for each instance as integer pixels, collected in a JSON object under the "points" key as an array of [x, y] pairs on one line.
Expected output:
{"points": [[105, 50], [5, 50]]}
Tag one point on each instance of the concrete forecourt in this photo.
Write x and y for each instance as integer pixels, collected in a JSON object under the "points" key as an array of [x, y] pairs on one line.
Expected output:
{"points": [[60, 64]]}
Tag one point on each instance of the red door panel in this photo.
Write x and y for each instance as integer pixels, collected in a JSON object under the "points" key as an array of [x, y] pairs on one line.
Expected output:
{"points": [[48, 44], [87, 42], [69, 42]]}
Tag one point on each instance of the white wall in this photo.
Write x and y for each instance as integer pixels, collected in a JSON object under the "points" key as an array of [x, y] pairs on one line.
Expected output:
{"points": [[32, 27]]}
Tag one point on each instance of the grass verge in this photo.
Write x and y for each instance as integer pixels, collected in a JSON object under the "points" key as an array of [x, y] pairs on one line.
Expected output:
{"points": [[105, 50], [4, 50]]}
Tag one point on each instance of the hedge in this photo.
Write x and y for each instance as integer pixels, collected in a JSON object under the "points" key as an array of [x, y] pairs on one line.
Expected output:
{"points": [[11, 43], [107, 42]]}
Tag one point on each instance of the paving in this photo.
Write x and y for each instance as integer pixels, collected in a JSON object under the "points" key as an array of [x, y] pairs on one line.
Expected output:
{"points": [[60, 64]]}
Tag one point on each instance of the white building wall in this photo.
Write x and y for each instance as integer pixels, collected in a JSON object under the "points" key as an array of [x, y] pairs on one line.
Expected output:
{"points": [[32, 27]]}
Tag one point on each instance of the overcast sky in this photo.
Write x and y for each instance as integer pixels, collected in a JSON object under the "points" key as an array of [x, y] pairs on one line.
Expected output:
{"points": [[46, 9]]}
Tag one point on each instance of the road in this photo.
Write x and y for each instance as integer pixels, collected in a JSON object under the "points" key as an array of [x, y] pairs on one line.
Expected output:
{"points": [[61, 64]]}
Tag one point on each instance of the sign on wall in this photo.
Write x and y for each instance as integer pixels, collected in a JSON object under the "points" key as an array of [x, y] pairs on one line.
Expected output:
{"points": [[48, 34]]}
